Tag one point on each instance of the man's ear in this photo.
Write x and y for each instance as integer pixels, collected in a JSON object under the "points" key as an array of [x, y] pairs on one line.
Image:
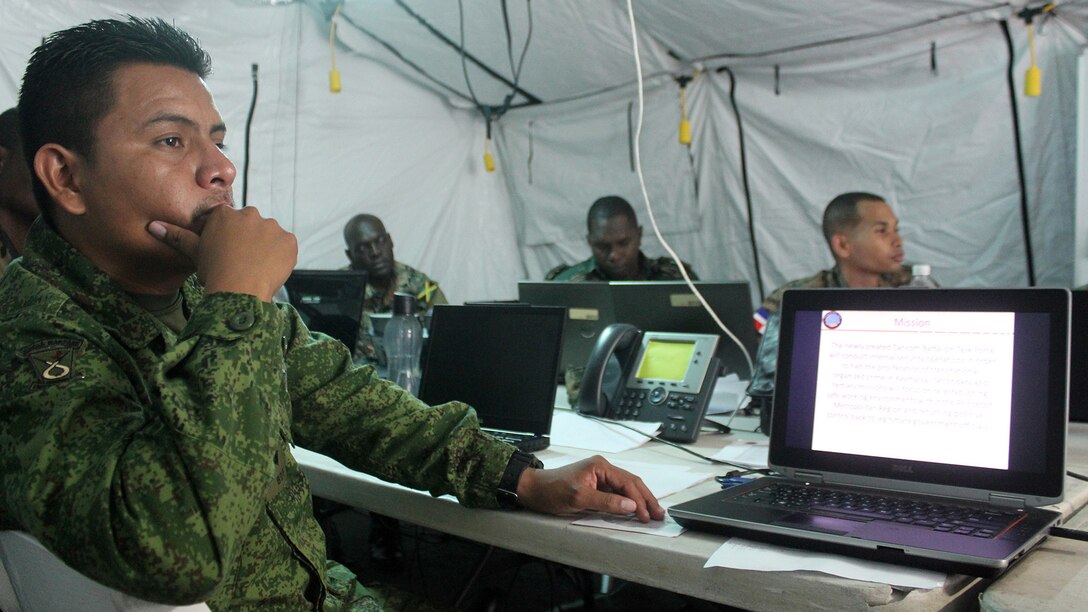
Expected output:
{"points": [[58, 168], [840, 246], [4, 153]]}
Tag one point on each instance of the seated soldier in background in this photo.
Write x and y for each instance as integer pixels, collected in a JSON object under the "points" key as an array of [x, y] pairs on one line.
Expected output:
{"points": [[614, 239], [370, 248], [18, 208], [863, 234]]}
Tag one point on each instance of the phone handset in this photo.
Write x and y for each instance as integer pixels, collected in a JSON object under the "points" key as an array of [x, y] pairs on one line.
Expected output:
{"points": [[600, 383], [651, 376]]}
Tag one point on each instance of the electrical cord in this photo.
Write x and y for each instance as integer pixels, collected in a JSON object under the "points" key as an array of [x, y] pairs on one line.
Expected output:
{"points": [[1070, 534], [646, 195], [1076, 475], [675, 445]]}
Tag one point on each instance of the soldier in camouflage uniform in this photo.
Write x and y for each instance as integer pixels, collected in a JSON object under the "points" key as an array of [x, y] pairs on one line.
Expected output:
{"points": [[146, 418], [17, 206], [370, 248], [863, 234], [614, 238]]}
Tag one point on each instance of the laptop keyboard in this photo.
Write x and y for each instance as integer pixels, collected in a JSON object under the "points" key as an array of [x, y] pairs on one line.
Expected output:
{"points": [[528, 444], [963, 520]]}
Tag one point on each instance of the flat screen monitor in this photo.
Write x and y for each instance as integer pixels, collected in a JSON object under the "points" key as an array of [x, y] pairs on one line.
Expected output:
{"points": [[329, 301], [589, 311], [670, 306], [498, 358], [1078, 357]]}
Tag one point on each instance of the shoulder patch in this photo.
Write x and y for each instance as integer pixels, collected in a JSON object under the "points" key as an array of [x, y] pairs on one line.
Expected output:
{"points": [[53, 360]]}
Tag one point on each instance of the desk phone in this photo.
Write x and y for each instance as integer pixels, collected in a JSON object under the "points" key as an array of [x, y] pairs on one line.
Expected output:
{"points": [[653, 377]]}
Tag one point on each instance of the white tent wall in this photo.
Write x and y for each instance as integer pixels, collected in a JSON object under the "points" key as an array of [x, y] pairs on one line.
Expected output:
{"points": [[867, 116], [387, 146]]}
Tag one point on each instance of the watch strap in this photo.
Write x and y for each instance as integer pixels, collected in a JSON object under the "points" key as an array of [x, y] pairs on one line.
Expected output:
{"points": [[507, 493]]}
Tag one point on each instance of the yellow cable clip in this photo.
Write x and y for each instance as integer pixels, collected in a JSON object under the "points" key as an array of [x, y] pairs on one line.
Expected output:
{"points": [[334, 74]]}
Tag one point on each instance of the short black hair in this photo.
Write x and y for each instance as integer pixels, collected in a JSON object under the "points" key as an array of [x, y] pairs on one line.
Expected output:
{"points": [[841, 214], [608, 207], [68, 84], [9, 131]]}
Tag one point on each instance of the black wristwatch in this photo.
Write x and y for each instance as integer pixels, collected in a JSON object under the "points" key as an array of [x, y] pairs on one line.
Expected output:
{"points": [[507, 493]]}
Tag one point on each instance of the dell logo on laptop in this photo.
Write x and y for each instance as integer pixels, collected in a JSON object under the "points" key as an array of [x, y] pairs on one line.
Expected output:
{"points": [[902, 468]]}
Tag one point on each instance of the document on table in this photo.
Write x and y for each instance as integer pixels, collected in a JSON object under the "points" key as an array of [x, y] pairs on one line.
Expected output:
{"points": [[747, 453], [573, 430], [728, 394], [738, 553], [667, 528]]}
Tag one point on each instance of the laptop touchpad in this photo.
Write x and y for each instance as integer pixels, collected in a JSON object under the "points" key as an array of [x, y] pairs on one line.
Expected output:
{"points": [[823, 524]]}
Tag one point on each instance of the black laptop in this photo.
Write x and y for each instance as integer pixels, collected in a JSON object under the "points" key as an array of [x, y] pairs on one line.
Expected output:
{"points": [[329, 301], [589, 311], [914, 426], [670, 306], [1078, 357], [501, 360]]}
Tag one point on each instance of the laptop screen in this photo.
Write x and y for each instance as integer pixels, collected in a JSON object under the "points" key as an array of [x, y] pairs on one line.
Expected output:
{"points": [[329, 301], [960, 388], [498, 358]]}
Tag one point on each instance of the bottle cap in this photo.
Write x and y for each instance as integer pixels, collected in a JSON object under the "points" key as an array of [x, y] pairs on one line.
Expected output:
{"points": [[920, 270], [404, 304]]}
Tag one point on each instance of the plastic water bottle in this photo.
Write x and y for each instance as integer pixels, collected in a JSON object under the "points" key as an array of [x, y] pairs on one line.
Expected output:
{"points": [[920, 277], [403, 341]]}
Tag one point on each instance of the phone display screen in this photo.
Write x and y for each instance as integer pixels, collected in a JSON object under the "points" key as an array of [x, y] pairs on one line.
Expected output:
{"points": [[666, 360]]}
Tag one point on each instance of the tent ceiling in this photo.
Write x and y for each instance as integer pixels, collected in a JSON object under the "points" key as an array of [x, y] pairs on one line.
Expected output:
{"points": [[580, 47]]}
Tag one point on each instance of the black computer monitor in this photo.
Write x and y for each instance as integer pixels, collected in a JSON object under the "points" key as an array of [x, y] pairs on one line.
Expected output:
{"points": [[670, 306], [1078, 357], [329, 301], [589, 311]]}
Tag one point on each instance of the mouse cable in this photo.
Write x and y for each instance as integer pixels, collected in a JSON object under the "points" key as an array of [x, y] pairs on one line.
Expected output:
{"points": [[1076, 475], [747, 469], [1071, 534]]}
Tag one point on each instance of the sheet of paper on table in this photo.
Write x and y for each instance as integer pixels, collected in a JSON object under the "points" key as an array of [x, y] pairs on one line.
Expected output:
{"points": [[738, 553], [573, 430]]}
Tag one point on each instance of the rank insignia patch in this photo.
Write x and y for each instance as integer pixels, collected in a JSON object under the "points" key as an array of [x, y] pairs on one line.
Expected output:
{"points": [[53, 360]]}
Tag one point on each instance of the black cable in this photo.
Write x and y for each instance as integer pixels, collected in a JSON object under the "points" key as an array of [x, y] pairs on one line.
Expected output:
{"points": [[674, 444], [475, 575], [249, 126], [464, 56], [1076, 475], [389, 47], [528, 96], [855, 37], [1011, 80], [744, 177], [1071, 534]]}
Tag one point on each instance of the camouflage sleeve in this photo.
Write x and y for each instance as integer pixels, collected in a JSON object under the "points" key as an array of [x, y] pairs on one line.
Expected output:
{"points": [[371, 425], [135, 461], [554, 273]]}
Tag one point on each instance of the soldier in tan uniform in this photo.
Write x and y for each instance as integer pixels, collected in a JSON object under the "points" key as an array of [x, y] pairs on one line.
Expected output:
{"points": [[150, 391]]}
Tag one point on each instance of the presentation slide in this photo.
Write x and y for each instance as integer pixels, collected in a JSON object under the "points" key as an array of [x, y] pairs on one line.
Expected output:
{"points": [[923, 386]]}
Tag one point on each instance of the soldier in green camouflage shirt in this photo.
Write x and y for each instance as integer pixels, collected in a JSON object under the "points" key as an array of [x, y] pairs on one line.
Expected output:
{"points": [[863, 234], [146, 418], [17, 206], [370, 248], [615, 238]]}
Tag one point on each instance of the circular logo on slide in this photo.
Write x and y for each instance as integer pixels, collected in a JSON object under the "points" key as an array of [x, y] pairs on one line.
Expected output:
{"points": [[832, 320]]}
